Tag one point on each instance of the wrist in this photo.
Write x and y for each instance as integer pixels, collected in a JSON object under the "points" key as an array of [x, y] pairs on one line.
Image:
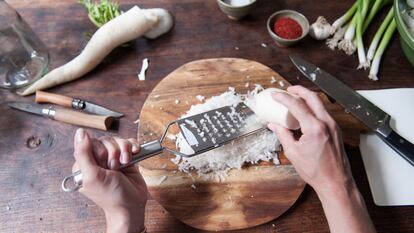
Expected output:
{"points": [[339, 192], [122, 220]]}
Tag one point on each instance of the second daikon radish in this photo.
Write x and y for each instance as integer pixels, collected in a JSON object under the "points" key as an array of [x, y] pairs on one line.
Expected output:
{"points": [[126, 27]]}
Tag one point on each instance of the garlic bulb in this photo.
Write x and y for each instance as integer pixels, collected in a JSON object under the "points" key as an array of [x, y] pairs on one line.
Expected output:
{"points": [[321, 29]]}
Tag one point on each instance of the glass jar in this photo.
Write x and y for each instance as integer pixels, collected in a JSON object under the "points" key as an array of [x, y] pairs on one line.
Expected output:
{"points": [[23, 56]]}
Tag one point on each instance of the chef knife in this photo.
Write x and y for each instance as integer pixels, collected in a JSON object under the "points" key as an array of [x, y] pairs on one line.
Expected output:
{"points": [[65, 101], [65, 115], [364, 110]]}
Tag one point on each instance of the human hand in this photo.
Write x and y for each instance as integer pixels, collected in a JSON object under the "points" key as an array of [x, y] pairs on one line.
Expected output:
{"points": [[318, 155], [122, 195]]}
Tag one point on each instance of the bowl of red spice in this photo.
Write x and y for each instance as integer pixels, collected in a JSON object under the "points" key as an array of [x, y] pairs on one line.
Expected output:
{"points": [[286, 27]]}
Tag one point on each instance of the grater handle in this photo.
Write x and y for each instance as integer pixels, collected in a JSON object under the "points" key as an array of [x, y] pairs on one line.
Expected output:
{"points": [[147, 151]]}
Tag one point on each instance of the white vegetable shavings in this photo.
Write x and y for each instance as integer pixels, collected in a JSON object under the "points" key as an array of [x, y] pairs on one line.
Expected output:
{"points": [[193, 186], [236, 48], [313, 76], [264, 45], [200, 98], [273, 80], [215, 164], [144, 67], [162, 179], [136, 121], [247, 85], [243, 70], [281, 83], [177, 101], [156, 96], [171, 137]]}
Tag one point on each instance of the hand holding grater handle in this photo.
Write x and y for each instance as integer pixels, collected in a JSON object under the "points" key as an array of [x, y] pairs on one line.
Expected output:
{"points": [[147, 150]]}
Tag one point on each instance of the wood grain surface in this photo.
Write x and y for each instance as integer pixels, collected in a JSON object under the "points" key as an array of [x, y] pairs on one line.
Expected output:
{"points": [[36, 153], [248, 197]]}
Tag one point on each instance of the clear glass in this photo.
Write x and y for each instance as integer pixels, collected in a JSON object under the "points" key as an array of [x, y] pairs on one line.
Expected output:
{"points": [[23, 56]]}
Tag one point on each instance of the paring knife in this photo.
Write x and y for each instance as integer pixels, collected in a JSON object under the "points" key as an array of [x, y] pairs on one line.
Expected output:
{"points": [[364, 110], [65, 115], [65, 101]]}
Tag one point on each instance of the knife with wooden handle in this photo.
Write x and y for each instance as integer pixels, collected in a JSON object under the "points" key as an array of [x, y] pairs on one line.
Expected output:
{"points": [[65, 115], [78, 104]]}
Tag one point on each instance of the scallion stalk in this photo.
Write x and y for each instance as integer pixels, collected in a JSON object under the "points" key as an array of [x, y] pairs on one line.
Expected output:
{"points": [[346, 44], [332, 43], [380, 51], [374, 44], [361, 13], [378, 5], [346, 17]]}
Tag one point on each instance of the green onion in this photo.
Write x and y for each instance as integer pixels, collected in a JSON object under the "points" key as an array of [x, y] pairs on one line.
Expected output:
{"points": [[346, 44], [378, 34], [346, 17], [361, 13], [101, 13], [380, 51], [378, 5]]}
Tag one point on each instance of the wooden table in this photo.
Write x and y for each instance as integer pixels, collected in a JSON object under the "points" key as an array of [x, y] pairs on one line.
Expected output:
{"points": [[36, 153]]}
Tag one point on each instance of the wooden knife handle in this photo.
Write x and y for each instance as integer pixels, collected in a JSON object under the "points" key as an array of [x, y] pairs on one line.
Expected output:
{"points": [[45, 97], [83, 119]]}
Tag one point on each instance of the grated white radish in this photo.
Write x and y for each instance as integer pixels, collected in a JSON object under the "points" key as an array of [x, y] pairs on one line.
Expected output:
{"points": [[216, 164]]}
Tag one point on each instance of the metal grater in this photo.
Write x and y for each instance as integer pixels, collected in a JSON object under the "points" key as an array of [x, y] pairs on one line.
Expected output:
{"points": [[203, 132], [212, 129]]}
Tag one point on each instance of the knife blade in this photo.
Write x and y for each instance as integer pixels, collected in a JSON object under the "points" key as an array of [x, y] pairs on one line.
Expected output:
{"points": [[372, 116], [65, 115], [45, 97]]}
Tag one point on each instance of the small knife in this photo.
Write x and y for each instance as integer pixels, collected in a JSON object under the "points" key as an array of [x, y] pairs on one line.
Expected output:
{"points": [[65, 115], [78, 104], [364, 110]]}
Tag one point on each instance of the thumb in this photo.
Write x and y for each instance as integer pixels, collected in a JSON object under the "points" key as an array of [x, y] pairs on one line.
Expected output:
{"points": [[84, 152], [284, 135]]}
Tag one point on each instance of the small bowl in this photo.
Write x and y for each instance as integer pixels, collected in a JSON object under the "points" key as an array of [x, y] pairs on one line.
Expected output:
{"points": [[301, 19], [235, 12]]}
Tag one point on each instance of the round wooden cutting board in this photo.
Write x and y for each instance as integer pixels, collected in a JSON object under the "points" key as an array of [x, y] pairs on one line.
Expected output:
{"points": [[248, 197]]}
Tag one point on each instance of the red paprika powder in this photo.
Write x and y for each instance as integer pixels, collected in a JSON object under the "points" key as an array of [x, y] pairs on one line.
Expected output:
{"points": [[287, 28]]}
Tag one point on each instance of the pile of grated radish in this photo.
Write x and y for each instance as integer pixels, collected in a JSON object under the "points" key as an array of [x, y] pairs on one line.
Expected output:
{"points": [[216, 164]]}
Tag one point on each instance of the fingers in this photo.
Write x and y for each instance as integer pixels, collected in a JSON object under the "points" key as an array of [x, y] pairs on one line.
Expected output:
{"points": [[135, 145], [284, 135], [315, 104], [313, 101], [100, 153], [113, 152], [84, 153], [298, 107], [125, 148]]}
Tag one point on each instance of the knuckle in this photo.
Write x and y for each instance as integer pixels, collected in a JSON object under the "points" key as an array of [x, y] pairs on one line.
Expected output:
{"points": [[320, 130]]}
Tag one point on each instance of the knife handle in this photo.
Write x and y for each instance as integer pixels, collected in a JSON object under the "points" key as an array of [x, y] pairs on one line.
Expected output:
{"points": [[83, 119], [401, 146], [46, 97]]}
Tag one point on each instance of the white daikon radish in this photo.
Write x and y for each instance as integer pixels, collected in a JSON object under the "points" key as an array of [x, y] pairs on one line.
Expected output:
{"points": [[165, 23], [126, 27], [272, 111]]}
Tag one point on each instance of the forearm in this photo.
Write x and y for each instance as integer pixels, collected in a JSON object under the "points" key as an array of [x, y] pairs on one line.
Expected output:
{"points": [[345, 209], [124, 222]]}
